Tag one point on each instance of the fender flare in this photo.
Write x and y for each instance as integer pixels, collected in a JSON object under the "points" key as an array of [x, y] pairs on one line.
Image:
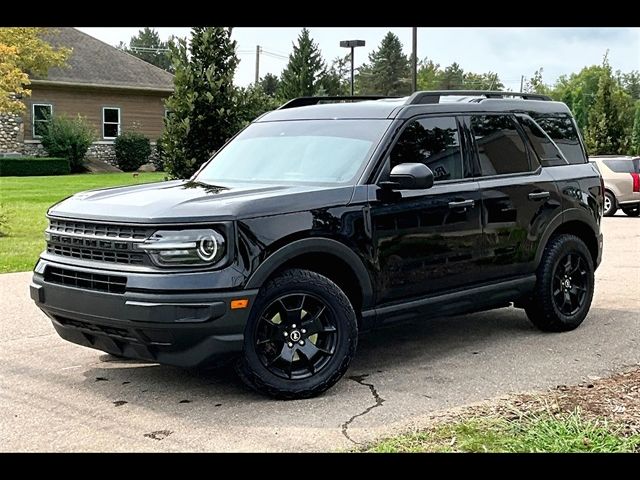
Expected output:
{"points": [[570, 215], [314, 245]]}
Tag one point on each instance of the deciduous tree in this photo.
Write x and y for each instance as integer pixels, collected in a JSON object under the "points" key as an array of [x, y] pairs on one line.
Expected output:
{"points": [[24, 52]]}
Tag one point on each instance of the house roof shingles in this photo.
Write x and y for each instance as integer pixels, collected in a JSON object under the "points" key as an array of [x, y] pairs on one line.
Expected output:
{"points": [[93, 62]]}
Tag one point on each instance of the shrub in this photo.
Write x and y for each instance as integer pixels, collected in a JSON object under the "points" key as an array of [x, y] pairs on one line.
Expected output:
{"points": [[26, 167], [68, 138], [132, 150]]}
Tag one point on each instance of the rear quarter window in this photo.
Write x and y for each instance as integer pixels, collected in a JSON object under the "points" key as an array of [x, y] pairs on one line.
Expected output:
{"points": [[562, 130], [623, 166]]}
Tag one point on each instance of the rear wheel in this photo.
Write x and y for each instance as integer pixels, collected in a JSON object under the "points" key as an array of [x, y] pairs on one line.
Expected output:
{"points": [[564, 287], [632, 211], [610, 206], [300, 337]]}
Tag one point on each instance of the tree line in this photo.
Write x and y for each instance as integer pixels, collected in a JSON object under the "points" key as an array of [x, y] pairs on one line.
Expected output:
{"points": [[206, 108], [606, 104]]}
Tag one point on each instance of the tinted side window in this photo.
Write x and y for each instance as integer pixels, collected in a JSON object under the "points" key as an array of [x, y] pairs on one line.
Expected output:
{"points": [[434, 142], [543, 146], [623, 166], [501, 149], [562, 130]]}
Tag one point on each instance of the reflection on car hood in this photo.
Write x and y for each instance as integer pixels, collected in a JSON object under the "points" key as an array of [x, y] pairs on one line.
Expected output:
{"points": [[187, 201]]}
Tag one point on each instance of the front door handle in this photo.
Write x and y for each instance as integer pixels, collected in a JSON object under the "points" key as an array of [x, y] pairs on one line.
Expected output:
{"points": [[461, 204], [539, 195]]}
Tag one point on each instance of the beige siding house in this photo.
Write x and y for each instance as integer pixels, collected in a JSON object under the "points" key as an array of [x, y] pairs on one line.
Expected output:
{"points": [[114, 91]]}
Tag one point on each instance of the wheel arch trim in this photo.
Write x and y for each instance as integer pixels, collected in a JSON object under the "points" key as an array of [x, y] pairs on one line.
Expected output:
{"points": [[315, 245]]}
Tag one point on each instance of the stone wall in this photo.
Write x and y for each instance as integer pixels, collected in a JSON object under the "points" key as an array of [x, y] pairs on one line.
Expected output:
{"points": [[102, 151], [12, 142], [11, 134]]}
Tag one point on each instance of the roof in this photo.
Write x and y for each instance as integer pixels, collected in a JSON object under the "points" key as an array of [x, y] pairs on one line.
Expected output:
{"points": [[98, 64], [401, 108]]}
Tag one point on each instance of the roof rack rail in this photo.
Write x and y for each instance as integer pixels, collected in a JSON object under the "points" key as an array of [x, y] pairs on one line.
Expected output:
{"points": [[419, 98], [305, 101]]}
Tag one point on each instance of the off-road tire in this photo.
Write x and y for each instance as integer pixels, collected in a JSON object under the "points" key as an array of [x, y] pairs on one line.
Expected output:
{"points": [[542, 309], [257, 376]]}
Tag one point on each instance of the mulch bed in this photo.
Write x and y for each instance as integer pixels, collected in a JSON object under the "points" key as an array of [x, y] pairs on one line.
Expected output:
{"points": [[615, 399]]}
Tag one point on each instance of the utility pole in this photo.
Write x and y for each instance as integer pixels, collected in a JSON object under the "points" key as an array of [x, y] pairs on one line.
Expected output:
{"points": [[521, 83], [257, 63], [414, 67]]}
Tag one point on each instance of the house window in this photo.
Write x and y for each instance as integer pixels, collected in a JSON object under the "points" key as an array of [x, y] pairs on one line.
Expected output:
{"points": [[40, 118], [110, 122]]}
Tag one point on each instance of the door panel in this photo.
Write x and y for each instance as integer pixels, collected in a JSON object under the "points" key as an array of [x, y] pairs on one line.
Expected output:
{"points": [[425, 243], [519, 199], [515, 212]]}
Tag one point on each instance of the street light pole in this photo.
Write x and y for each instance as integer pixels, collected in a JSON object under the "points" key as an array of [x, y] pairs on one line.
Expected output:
{"points": [[352, 44], [352, 49], [414, 66]]}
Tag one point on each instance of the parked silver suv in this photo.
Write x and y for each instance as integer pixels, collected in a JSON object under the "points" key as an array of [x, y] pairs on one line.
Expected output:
{"points": [[621, 176]]}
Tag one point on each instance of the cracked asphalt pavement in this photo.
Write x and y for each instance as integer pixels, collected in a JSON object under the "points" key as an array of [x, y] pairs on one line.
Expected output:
{"points": [[57, 396]]}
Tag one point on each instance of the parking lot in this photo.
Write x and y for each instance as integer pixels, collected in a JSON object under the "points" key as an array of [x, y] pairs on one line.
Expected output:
{"points": [[57, 396]]}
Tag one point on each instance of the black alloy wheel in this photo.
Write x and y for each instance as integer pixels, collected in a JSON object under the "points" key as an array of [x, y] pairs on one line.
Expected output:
{"points": [[296, 336], [570, 284]]}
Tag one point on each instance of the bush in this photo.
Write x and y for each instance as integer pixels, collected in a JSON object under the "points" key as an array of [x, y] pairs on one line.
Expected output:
{"points": [[68, 138], [132, 151], [26, 167]]}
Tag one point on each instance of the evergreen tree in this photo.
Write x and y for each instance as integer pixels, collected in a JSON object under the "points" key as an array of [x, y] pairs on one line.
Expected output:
{"points": [[605, 133], [203, 107], [147, 46], [337, 80], [388, 71], [303, 74], [452, 78], [269, 84]]}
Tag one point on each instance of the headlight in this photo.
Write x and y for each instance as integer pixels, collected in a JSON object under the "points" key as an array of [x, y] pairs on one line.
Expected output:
{"points": [[185, 247]]}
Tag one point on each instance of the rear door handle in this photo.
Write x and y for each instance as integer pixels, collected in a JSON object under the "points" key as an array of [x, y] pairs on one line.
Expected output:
{"points": [[461, 204], [539, 195]]}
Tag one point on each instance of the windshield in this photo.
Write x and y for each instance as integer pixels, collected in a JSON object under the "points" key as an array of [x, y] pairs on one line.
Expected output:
{"points": [[297, 151]]}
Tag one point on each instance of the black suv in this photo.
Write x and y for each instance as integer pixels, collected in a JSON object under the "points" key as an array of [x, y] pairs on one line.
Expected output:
{"points": [[326, 217]]}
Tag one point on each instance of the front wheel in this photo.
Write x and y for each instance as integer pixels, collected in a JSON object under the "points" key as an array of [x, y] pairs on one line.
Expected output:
{"points": [[300, 337], [632, 211], [564, 287]]}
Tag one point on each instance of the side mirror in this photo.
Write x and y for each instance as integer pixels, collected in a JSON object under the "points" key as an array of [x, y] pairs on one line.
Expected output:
{"points": [[411, 176]]}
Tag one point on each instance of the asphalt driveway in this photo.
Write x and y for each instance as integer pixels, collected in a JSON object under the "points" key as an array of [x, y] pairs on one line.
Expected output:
{"points": [[57, 396]]}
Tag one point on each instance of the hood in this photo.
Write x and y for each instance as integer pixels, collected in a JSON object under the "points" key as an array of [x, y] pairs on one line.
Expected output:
{"points": [[188, 201]]}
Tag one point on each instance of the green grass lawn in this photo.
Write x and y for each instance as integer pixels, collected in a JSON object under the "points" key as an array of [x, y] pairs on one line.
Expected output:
{"points": [[24, 202], [570, 433]]}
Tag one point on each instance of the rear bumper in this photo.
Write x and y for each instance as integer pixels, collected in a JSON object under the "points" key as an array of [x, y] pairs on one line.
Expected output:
{"points": [[171, 327]]}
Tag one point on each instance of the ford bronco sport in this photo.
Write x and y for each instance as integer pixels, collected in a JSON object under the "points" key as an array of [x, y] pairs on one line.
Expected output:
{"points": [[326, 217]]}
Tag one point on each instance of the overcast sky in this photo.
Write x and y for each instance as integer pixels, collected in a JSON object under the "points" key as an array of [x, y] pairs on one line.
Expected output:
{"points": [[511, 52]]}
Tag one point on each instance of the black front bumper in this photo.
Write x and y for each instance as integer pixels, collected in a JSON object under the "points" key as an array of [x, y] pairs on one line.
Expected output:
{"points": [[178, 327]]}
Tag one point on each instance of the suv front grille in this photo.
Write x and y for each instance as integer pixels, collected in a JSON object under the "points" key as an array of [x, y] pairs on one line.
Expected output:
{"points": [[97, 242], [86, 280], [88, 229], [96, 255]]}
